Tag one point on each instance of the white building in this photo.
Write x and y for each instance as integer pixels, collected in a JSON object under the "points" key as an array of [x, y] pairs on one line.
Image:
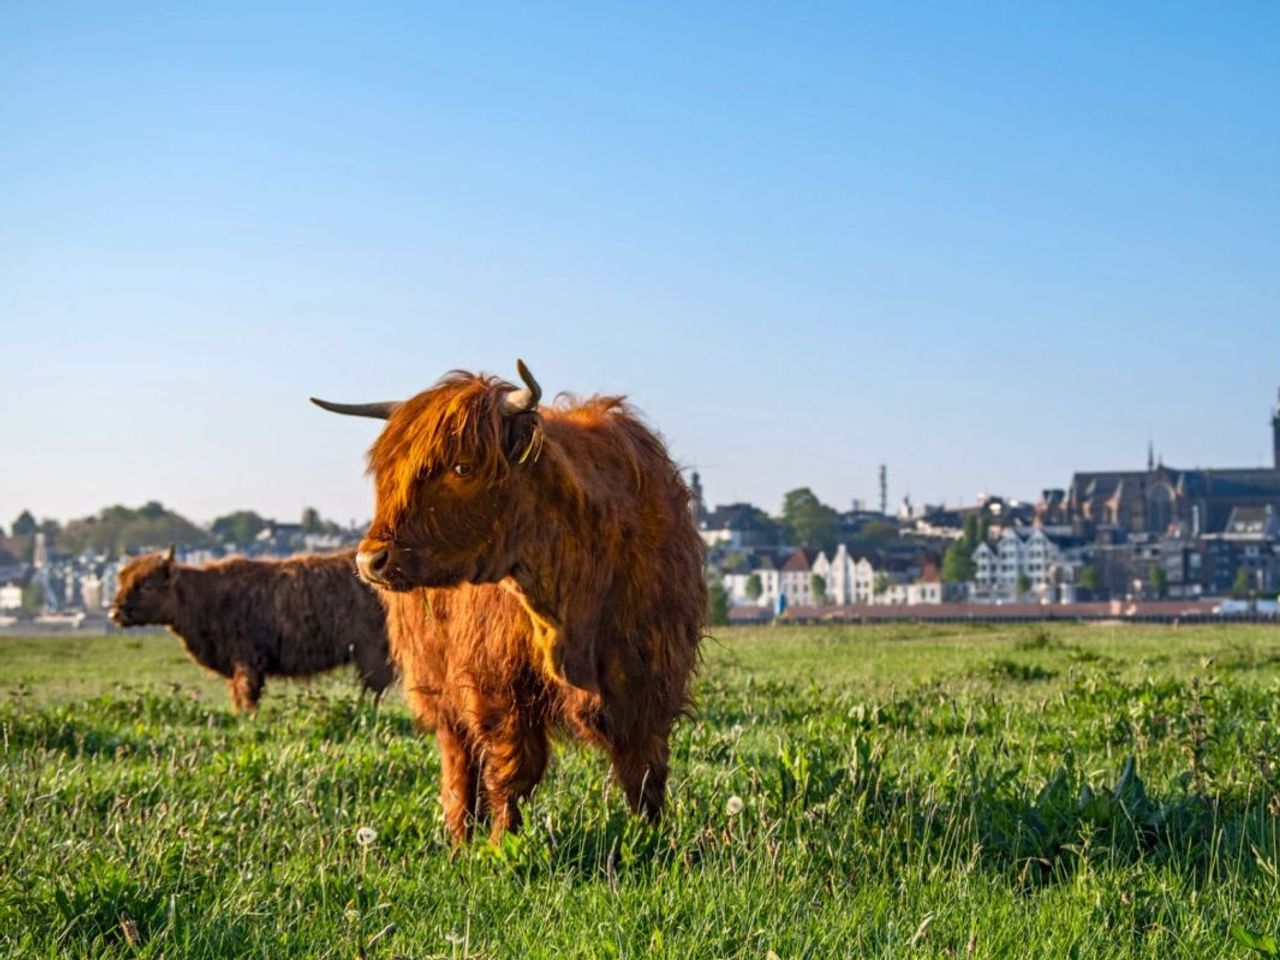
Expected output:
{"points": [[911, 594], [848, 579], [10, 596], [1014, 555], [796, 578]]}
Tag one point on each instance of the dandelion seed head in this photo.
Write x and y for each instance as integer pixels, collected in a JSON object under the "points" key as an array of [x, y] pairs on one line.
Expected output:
{"points": [[365, 836], [735, 805]]}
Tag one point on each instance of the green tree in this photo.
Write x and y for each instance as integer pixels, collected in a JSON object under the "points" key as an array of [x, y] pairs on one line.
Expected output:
{"points": [[957, 563], [808, 520], [1023, 584], [1159, 578], [881, 585], [311, 522], [239, 528], [121, 529], [818, 588], [25, 524], [1242, 586], [33, 599], [878, 531], [717, 603], [1089, 578], [754, 587]]}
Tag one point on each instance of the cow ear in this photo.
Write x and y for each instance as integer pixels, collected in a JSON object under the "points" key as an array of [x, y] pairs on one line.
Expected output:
{"points": [[523, 437]]}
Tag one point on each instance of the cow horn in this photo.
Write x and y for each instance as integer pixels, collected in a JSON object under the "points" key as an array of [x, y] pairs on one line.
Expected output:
{"points": [[378, 411], [168, 554], [526, 399]]}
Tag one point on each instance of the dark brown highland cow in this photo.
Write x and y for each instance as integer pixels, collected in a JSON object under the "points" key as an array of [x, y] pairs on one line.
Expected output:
{"points": [[247, 620], [578, 512]]}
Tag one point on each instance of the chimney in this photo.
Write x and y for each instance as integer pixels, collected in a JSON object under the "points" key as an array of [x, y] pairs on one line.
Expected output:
{"points": [[1275, 433]]}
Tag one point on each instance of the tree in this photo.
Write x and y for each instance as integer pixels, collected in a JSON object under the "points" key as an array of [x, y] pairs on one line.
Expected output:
{"points": [[878, 531], [1023, 584], [717, 603], [239, 528], [808, 520], [818, 588], [33, 599], [121, 529], [1159, 578], [754, 587], [25, 524], [1242, 586], [1089, 578], [957, 563], [311, 522], [881, 586]]}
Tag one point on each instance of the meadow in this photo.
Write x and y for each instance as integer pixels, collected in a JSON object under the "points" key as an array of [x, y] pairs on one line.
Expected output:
{"points": [[1028, 791]]}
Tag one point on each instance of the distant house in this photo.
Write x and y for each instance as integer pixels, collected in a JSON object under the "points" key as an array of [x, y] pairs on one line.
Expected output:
{"points": [[849, 579], [796, 578], [1014, 555], [740, 567], [13, 584], [11, 596], [738, 526], [1253, 524]]}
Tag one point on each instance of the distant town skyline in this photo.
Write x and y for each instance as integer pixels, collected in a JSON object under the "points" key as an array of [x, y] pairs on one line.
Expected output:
{"points": [[985, 246]]}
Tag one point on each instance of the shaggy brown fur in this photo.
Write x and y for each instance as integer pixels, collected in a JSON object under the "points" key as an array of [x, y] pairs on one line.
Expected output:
{"points": [[577, 510], [247, 620]]}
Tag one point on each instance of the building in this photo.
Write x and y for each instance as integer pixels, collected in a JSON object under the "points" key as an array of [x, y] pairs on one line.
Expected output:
{"points": [[1163, 500], [849, 579], [11, 596], [796, 578], [738, 526], [846, 579], [1016, 556]]}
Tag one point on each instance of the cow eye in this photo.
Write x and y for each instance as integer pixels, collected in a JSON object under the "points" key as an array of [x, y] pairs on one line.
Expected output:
{"points": [[462, 469]]}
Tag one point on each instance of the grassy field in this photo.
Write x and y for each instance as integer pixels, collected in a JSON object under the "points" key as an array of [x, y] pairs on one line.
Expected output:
{"points": [[1061, 791]]}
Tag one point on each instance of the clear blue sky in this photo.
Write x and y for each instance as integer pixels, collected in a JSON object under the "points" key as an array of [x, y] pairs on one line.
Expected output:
{"points": [[987, 244]]}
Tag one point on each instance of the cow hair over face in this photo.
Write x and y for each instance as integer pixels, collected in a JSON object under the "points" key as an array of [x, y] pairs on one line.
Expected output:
{"points": [[577, 572], [247, 620], [460, 421]]}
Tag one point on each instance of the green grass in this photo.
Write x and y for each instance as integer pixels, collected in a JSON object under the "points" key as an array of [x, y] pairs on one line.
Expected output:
{"points": [[1060, 791]]}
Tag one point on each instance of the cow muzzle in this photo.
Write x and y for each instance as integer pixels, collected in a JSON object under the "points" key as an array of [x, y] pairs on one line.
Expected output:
{"points": [[373, 565]]}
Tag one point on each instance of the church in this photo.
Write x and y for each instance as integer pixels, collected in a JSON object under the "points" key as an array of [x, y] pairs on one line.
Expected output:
{"points": [[1163, 501], [1213, 531]]}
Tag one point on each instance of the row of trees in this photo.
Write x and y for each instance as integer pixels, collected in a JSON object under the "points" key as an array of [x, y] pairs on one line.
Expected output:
{"points": [[120, 529], [809, 522]]}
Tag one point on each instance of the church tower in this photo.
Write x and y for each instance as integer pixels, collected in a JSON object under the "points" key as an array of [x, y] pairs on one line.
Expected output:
{"points": [[1275, 431], [697, 504]]}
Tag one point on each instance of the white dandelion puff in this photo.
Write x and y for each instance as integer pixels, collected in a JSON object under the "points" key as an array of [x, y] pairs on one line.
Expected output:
{"points": [[365, 836], [735, 805]]}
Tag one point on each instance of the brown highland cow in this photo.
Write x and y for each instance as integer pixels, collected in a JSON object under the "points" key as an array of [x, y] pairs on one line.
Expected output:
{"points": [[247, 620], [578, 512]]}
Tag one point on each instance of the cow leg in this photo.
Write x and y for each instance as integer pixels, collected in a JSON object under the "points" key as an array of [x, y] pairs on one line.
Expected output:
{"points": [[459, 784], [515, 758], [246, 688], [642, 771]]}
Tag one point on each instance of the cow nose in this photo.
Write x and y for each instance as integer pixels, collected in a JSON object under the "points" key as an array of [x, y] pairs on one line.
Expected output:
{"points": [[372, 563]]}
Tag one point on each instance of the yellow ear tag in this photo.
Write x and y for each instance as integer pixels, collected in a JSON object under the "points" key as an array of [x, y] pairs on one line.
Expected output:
{"points": [[533, 442]]}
